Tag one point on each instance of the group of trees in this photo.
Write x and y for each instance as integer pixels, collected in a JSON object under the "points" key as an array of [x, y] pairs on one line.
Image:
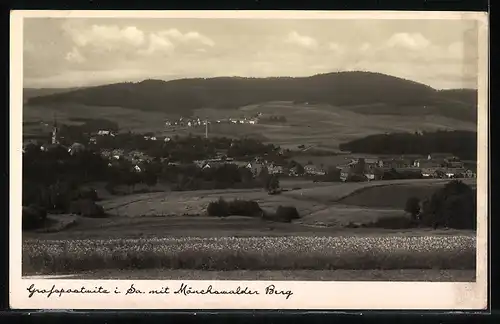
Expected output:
{"points": [[338, 89], [237, 207], [453, 206], [463, 144]]}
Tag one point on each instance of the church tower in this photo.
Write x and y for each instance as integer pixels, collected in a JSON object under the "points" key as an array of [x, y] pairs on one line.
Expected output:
{"points": [[55, 139]]}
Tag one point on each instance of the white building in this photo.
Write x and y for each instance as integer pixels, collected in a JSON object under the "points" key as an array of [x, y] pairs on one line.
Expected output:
{"points": [[103, 132]]}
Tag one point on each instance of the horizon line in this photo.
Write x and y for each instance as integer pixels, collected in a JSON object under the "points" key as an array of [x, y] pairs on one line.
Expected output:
{"points": [[244, 77]]}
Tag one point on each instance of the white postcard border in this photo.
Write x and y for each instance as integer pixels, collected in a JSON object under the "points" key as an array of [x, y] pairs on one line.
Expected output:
{"points": [[306, 295]]}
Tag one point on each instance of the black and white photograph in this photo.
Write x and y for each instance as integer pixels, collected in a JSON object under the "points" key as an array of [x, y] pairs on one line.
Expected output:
{"points": [[273, 148]]}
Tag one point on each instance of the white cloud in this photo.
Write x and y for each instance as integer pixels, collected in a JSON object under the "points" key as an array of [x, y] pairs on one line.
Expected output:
{"points": [[189, 37], [158, 44], [75, 56], [413, 41], [301, 40], [107, 36]]}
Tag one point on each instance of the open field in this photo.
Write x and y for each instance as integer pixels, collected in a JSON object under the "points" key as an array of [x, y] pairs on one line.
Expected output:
{"points": [[128, 119], [325, 209], [297, 275], [323, 125], [251, 253], [168, 233], [392, 196]]}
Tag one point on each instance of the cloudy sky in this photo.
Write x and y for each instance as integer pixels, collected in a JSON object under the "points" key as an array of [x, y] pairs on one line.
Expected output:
{"points": [[72, 52]]}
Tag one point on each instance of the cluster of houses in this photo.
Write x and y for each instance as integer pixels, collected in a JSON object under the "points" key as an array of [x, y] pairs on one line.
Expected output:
{"points": [[102, 133], [257, 165], [437, 165], [197, 122]]}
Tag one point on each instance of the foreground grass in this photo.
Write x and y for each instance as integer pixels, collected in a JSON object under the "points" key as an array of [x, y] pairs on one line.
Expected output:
{"points": [[250, 253], [299, 275]]}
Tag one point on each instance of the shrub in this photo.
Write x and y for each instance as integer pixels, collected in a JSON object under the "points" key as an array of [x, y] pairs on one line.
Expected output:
{"points": [[413, 207], [33, 217], [87, 208], [244, 208], [272, 184], [218, 208], [286, 213]]}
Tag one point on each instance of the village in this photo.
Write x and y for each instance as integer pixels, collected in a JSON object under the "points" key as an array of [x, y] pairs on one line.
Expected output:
{"points": [[355, 167], [197, 122]]}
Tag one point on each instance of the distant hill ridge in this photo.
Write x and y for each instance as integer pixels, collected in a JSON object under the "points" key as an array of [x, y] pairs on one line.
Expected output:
{"points": [[356, 91]]}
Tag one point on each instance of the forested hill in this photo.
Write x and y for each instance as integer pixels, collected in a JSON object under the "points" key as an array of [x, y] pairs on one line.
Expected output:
{"points": [[357, 90], [29, 93], [461, 143]]}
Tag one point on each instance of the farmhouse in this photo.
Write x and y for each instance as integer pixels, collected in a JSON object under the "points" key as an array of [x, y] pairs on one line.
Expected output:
{"points": [[441, 156], [255, 167], [369, 162], [312, 169], [213, 165], [104, 133], [427, 164], [275, 169], [370, 175], [430, 172], [398, 163], [455, 172]]}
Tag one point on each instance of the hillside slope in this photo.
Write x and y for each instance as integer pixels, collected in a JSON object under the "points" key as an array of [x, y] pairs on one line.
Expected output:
{"points": [[360, 92], [29, 93]]}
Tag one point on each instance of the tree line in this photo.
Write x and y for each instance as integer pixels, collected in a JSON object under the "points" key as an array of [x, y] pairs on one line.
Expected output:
{"points": [[462, 144], [453, 206]]}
